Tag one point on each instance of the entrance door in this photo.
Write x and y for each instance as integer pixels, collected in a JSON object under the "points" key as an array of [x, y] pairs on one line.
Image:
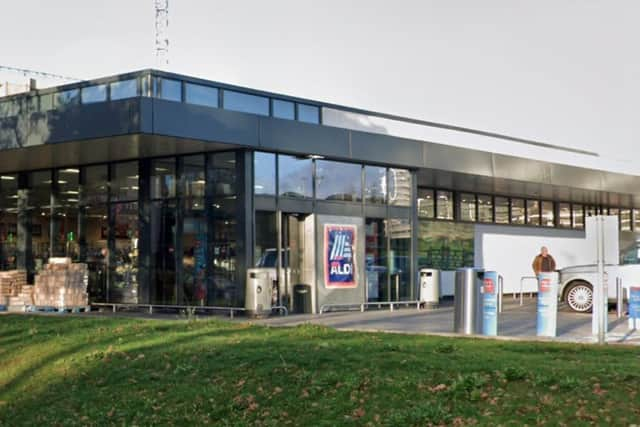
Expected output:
{"points": [[298, 260]]}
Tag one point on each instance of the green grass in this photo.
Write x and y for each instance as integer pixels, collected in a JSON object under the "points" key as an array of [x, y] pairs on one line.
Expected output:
{"points": [[119, 371]]}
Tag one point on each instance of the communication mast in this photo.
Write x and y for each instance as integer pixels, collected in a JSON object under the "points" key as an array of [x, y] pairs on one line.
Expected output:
{"points": [[162, 32]]}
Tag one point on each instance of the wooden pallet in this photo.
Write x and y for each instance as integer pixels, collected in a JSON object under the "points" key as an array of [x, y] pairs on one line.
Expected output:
{"points": [[52, 309]]}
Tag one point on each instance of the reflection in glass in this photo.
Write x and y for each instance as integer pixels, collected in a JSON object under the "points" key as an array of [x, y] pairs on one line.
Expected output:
{"points": [[283, 109], [375, 185], [167, 89], [39, 204], [444, 204], [201, 95], [264, 165], [625, 219], [338, 181], [564, 215], [517, 211], [502, 210], [8, 221], [445, 245], [163, 251], [308, 113], [400, 187], [295, 176], [163, 178], [246, 103], [578, 216], [123, 89], [67, 97], [376, 260], [194, 233], [124, 181], [485, 208], [399, 259], [590, 210], [95, 238], [65, 215], [533, 212], [467, 207], [636, 219], [548, 216], [224, 259], [93, 94], [426, 203], [123, 265]]}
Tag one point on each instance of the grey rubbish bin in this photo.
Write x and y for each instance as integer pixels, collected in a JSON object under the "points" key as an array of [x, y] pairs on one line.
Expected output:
{"points": [[259, 292], [430, 286], [467, 316], [302, 298]]}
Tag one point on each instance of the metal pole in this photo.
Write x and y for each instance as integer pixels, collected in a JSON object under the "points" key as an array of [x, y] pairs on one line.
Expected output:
{"points": [[601, 285], [500, 285], [521, 288], [397, 287], [619, 297]]}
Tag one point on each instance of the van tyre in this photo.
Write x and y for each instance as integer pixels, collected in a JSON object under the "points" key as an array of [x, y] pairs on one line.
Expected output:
{"points": [[579, 296]]}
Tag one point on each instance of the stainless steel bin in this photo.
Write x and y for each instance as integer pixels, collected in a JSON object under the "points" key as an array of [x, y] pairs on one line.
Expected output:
{"points": [[467, 316], [430, 286], [259, 292]]}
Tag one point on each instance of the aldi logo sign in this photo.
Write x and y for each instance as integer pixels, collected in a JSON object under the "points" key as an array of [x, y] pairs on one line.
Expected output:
{"points": [[339, 252]]}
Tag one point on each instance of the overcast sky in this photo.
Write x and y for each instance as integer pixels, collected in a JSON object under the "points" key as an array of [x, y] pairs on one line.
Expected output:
{"points": [[563, 72]]}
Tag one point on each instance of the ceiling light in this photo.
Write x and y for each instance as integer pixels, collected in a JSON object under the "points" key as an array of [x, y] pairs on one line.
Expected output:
{"points": [[7, 178], [315, 157], [70, 170]]}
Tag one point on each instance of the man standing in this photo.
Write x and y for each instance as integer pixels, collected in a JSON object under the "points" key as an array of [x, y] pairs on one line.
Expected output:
{"points": [[544, 262]]}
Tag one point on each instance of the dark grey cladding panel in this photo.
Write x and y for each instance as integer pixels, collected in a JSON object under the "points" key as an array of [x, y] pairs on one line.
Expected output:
{"points": [[369, 147], [75, 123], [522, 169], [94, 120], [304, 138], [204, 123], [456, 159], [333, 208]]}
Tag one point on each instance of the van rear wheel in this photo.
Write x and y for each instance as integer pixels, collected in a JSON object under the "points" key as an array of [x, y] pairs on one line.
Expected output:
{"points": [[579, 296]]}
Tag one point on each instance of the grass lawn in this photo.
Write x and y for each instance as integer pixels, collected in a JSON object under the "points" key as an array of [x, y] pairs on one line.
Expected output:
{"points": [[64, 370]]}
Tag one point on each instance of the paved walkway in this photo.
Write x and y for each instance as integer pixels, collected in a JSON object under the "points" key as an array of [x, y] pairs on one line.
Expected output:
{"points": [[515, 321]]}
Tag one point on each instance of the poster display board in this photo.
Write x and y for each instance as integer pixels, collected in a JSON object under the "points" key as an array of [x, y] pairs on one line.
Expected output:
{"points": [[339, 256], [490, 303], [547, 310]]}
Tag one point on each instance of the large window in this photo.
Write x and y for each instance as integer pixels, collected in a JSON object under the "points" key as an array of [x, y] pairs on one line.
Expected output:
{"points": [[201, 95], [502, 210], [467, 207], [93, 94], [124, 181], [400, 187], [444, 204], [338, 181], [264, 170], [8, 221], [485, 208], [123, 89], [67, 98], [533, 212], [167, 89], [295, 176], [625, 219], [246, 103], [283, 109], [308, 113], [375, 185], [548, 216], [517, 211], [163, 178], [564, 215], [578, 216], [426, 203], [64, 221]]}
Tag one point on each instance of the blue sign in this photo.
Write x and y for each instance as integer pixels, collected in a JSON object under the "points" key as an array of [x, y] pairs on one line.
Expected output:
{"points": [[490, 303], [634, 307], [547, 312], [339, 250]]}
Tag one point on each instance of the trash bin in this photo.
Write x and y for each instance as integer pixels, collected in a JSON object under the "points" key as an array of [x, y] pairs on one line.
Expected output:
{"points": [[430, 286], [467, 315], [301, 298], [259, 292]]}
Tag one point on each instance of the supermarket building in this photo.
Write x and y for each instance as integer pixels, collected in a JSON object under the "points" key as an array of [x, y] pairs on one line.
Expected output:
{"points": [[171, 187]]}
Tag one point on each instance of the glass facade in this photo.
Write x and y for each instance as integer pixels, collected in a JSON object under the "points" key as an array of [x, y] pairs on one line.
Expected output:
{"points": [[93, 94], [246, 103], [338, 181], [444, 204], [123, 89], [468, 207], [295, 177], [283, 109], [375, 185], [201, 95], [308, 113], [167, 89]]}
